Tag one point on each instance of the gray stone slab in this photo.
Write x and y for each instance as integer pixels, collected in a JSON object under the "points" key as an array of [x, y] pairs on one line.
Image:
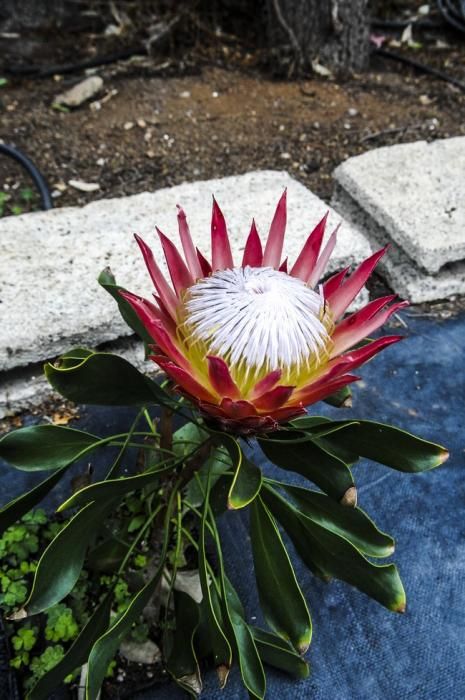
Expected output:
{"points": [[416, 192], [49, 261], [404, 277]]}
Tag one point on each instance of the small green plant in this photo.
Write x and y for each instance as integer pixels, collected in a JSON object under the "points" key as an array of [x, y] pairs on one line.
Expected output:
{"points": [[16, 202], [37, 648]]}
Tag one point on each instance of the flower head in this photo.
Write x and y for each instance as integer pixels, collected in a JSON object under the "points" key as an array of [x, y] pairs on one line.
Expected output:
{"points": [[251, 343]]}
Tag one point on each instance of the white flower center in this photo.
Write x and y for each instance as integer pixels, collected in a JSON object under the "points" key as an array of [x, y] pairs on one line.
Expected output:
{"points": [[257, 317]]}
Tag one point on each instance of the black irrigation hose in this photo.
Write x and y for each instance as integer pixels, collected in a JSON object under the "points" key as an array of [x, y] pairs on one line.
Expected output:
{"points": [[65, 68], [28, 165], [453, 12], [386, 53]]}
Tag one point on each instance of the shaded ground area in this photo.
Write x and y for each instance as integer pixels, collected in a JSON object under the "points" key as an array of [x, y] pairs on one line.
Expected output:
{"points": [[161, 121]]}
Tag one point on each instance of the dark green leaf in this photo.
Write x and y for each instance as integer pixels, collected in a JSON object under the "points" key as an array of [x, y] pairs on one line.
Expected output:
{"points": [[21, 505], [341, 398], [76, 655], [249, 660], [281, 599], [278, 653], [328, 472], [390, 446], [61, 563], [328, 554], [41, 447], [247, 480], [107, 280], [112, 488], [218, 462], [222, 654], [351, 523], [182, 661], [108, 644], [237, 629], [104, 379], [186, 438], [316, 426]]}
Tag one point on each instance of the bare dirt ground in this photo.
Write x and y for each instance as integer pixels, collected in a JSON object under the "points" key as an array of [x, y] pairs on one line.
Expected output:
{"points": [[155, 126]]}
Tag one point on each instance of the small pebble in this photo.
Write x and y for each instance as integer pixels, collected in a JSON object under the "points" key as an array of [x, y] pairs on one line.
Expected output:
{"points": [[128, 125]]}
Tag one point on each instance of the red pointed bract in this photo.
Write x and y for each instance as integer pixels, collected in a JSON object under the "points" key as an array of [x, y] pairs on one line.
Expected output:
{"points": [[188, 246], [323, 259], [308, 256], [155, 328], [274, 399], [220, 378], [342, 297], [180, 275], [275, 242], [221, 250], [253, 254], [267, 383], [185, 381], [167, 295], [204, 264]]}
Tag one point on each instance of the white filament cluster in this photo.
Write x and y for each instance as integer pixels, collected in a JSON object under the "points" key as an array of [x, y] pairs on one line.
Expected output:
{"points": [[257, 317]]}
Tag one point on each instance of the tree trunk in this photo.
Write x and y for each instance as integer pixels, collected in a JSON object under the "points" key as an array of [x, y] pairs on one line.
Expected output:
{"points": [[330, 33]]}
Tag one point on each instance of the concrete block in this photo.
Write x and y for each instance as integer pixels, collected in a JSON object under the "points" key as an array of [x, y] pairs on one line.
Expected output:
{"points": [[49, 261], [416, 193], [406, 279]]}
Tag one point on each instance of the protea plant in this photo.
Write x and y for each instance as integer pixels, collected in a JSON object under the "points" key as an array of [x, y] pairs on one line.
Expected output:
{"points": [[252, 344], [247, 347]]}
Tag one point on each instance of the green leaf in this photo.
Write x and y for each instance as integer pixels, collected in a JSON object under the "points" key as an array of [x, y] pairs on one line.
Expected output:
{"points": [[237, 629], [249, 660], [186, 438], [390, 446], [341, 398], [19, 506], [222, 654], [112, 488], [351, 523], [278, 653], [217, 463], [42, 447], [103, 379], [316, 426], [76, 655], [108, 644], [61, 563], [247, 480], [309, 459], [281, 599], [328, 554], [107, 280], [182, 662]]}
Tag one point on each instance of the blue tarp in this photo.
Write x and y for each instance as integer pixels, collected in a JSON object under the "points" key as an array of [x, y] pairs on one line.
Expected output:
{"points": [[360, 651]]}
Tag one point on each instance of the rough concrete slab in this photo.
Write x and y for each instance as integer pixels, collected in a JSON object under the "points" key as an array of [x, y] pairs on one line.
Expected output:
{"points": [[416, 192], [49, 261], [406, 279]]}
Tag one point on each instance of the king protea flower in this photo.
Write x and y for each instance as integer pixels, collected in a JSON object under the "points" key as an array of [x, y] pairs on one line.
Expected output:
{"points": [[251, 343]]}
